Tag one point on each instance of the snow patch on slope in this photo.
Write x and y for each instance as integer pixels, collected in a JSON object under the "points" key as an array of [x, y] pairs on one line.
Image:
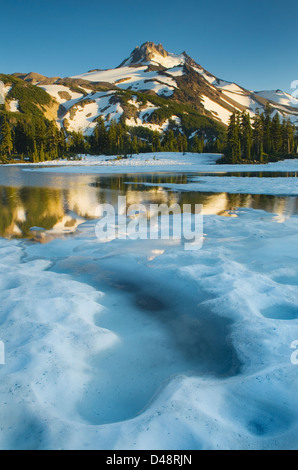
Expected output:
{"points": [[54, 91], [279, 97], [14, 106], [171, 61], [218, 111], [132, 78]]}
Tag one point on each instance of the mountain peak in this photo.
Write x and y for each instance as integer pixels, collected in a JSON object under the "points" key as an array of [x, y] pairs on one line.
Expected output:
{"points": [[149, 49], [149, 52]]}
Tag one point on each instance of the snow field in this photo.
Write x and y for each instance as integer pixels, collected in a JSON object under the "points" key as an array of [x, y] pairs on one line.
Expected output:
{"points": [[170, 162], [48, 330], [235, 185], [95, 358], [14, 106], [243, 272], [132, 78], [54, 91]]}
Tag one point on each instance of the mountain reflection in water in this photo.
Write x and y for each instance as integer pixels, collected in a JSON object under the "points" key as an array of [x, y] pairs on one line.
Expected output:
{"points": [[64, 202]]}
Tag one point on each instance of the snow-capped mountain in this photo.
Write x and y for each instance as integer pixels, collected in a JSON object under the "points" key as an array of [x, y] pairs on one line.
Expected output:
{"points": [[154, 89]]}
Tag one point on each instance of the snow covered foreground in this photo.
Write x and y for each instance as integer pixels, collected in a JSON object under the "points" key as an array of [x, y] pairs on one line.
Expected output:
{"points": [[56, 345], [80, 354]]}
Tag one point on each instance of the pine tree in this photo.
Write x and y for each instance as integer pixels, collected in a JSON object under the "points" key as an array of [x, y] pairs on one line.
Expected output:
{"points": [[52, 141], [78, 144], [35, 155], [6, 145], [103, 137], [195, 148], [218, 146], [184, 143], [20, 138], [267, 137], [170, 142], [112, 139], [40, 134], [180, 143], [233, 151], [156, 143], [62, 144], [120, 130], [198, 144], [95, 140], [276, 133], [246, 136], [135, 145], [42, 156], [288, 137], [258, 136], [126, 144]]}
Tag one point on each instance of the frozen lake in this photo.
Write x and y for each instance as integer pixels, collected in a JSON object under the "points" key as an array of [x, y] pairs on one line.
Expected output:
{"points": [[140, 344], [62, 201]]}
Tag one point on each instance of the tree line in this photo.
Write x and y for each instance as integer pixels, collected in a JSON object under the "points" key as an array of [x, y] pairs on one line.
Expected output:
{"points": [[41, 140], [262, 139], [35, 140], [121, 140]]}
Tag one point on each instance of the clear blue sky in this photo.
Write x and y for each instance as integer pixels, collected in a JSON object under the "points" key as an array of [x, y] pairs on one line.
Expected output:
{"points": [[253, 43]]}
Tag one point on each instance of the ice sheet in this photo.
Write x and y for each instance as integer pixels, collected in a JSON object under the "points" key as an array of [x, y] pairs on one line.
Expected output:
{"points": [[238, 185], [78, 318]]}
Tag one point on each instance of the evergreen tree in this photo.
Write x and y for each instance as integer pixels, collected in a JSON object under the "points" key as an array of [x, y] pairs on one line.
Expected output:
{"points": [[156, 143], [233, 150], [170, 143], [195, 148], [267, 132], [120, 130], [6, 145], [258, 136], [182, 143], [41, 134], [20, 138], [197, 144], [112, 139], [52, 141], [42, 156], [62, 144], [103, 137], [288, 137], [218, 147], [276, 133], [246, 136], [95, 140], [35, 155], [135, 145]]}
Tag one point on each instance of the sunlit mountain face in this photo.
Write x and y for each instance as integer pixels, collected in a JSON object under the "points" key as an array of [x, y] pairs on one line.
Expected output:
{"points": [[152, 88]]}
